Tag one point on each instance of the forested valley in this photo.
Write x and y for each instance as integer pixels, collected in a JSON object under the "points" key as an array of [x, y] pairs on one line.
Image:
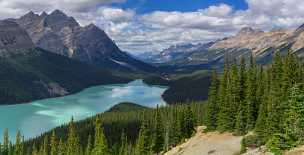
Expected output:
{"points": [[265, 103]]}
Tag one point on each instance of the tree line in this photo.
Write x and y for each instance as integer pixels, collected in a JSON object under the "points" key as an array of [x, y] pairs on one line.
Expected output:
{"points": [[268, 100], [246, 97], [142, 132]]}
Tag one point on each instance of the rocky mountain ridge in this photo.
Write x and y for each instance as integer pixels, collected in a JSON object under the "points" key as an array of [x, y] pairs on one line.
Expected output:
{"points": [[246, 42], [58, 33]]}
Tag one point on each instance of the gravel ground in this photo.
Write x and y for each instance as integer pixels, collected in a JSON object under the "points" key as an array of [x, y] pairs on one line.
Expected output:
{"points": [[212, 143]]}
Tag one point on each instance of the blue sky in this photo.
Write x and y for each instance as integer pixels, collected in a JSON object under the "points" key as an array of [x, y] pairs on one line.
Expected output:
{"points": [[152, 25], [147, 6]]}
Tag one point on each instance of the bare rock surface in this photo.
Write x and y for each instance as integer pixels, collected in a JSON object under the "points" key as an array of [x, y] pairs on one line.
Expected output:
{"points": [[212, 143], [13, 39]]}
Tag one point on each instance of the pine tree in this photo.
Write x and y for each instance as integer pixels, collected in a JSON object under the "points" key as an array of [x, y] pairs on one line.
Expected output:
{"points": [[158, 141], [5, 142], [291, 72], [275, 109], [89, 147], [54, 144], [294, 115], [223, 121], [189, 122], [212, 108], [61, 148], [100, 144], [181, 124], [251, 96], [261, 125], [142, 145], [241, 119], [175, 135], [72, 147], [35, 149], [18, 150], [11, 150], [45, 145], [234, 97]]}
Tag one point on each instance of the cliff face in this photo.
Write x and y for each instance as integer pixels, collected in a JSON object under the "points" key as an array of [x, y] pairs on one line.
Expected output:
{"points": [[13, 39], [58, 33]]}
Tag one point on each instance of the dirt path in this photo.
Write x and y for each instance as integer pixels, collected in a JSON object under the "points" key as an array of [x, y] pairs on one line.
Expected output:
{"points": [[212, 143]]}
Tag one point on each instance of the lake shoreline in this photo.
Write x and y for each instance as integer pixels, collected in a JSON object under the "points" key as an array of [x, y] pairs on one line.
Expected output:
{"points": [[39, 116]]}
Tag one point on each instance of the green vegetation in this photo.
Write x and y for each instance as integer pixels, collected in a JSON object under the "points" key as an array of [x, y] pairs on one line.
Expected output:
{"points": [[24, 78], [141, 132], [126, 107], [266, 100], [183, 87]]}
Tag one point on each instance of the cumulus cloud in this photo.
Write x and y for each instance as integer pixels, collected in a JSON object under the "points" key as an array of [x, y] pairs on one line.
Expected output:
{"points": [[117, 15], [159, 29]]}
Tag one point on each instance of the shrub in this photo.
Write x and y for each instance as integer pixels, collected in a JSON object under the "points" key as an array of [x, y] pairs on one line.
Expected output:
{"points": [[278, 143]]}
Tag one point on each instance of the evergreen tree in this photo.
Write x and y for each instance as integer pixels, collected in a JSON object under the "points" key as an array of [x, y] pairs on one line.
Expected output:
{"points": [[261, 127], [5, 142], [233, 93], [294, 115], [54, 144], [223, 121], [34, 149], [241, 119], [142, 144], [181, 124], [189, 122], [18, 150], [251, 96], [89, 147], [212, 108], [175, 135], [275, 104], [158, 141], [72, 147], [100, 144], [11, 150], [45, 145], [61, 148]]}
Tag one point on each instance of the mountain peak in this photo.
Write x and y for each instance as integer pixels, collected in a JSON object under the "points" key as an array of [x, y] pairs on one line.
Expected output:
{"points": [[92, 26], [30, 15], [248, 30], [43, 14], [58, 13], [58, 20]]}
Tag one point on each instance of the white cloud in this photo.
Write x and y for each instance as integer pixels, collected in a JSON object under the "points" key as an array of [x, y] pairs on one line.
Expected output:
{"points": [[156, 30], [117, 15]]}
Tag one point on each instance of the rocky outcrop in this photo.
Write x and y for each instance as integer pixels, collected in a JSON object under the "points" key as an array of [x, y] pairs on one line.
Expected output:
{"points": [[58, 33], [13, 39]]}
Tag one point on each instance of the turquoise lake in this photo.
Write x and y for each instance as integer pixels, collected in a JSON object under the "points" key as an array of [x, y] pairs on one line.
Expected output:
{"points": [[36, 117]]}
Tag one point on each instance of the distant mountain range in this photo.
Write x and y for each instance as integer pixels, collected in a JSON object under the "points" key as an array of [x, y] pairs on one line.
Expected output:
{"points": [[247, 41], [58, 33]]}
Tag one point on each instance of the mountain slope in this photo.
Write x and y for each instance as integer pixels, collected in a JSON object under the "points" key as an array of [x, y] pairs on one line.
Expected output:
{"points": [[58, 33], [28, 73], [246, 42]]}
